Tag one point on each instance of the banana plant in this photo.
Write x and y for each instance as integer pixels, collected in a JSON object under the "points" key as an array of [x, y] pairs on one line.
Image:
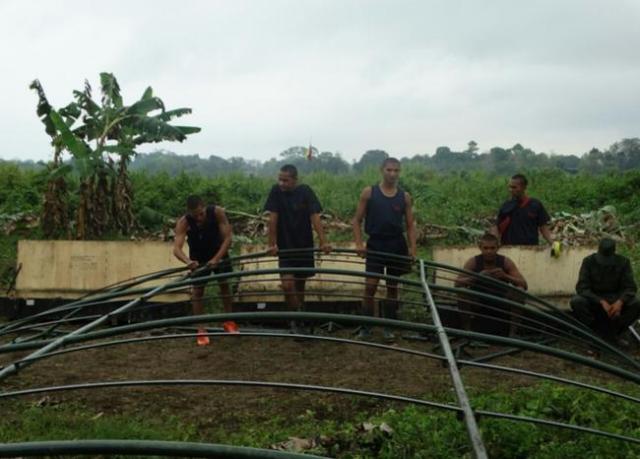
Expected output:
{"points": [[101, 137]]}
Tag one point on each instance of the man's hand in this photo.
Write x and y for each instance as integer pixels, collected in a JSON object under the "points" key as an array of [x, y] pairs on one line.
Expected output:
{"points": [[325, 247], [213, 262], [361, 250], [616, 309], [192, 265], [272, 250], [413, 253], [500, 274], [606, 306], [496, 273]]}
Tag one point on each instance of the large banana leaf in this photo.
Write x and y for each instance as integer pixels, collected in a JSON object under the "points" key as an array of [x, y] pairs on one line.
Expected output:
{"points": [[76, 146]]}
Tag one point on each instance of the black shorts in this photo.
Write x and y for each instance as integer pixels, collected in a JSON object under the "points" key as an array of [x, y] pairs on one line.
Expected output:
{"points": [[376, 263], [224, 266], [303, 259]]}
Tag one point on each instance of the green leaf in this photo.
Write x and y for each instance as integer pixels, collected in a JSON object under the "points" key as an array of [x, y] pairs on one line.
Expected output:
{"points": [[144, 106], [44, 108], [60, 171], [170, 114], [87, 103], [187, 130], [72, 143], [110, 90]]}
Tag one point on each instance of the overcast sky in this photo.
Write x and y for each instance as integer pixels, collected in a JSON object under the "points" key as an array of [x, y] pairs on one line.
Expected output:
{"points": [[403, 76]]}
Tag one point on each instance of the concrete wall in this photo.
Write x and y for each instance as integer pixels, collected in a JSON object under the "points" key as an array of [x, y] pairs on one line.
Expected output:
{"points": [[69, 269], [546, 276]]}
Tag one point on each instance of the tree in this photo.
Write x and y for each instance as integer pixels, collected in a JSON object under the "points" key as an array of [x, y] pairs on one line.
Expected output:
{"points": [[101, 137], [371, 158]]}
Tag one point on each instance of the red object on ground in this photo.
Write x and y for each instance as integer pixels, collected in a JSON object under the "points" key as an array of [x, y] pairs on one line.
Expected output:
{"points": [[202, 339], [230, 327]]}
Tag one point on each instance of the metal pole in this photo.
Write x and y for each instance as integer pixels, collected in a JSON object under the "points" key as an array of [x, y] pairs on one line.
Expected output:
{"points": [[58, 342], [469, 418], [142, 447]]}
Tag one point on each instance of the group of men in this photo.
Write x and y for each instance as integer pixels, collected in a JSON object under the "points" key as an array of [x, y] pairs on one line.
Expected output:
{"points": [[606, 290], [605, 298]]}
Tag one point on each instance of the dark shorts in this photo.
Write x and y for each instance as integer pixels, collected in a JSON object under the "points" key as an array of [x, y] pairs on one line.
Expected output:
{"points": [[223, 267], [376, 263], [297, 260]]}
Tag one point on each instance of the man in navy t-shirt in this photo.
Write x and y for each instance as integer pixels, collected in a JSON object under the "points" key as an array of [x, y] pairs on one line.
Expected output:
{"points": [[293, 211], [522, 217], [386, 209]]}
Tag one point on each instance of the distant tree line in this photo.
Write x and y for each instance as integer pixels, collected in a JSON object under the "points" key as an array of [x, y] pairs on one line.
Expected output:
{"points": [[621, 156]]}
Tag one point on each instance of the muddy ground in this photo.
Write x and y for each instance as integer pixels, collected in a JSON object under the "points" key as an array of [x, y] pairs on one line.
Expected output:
{"points": [[264, 359]]}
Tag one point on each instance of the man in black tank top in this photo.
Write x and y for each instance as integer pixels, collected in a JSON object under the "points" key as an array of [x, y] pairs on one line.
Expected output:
{"points": [[386, 209], [497, 268], [208, 235]]}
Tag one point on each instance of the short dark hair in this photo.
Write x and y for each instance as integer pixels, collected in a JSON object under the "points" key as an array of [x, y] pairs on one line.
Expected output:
{"points": [[522, 179], [390, 160], [290, 169], [488, 237], [194, 201]]}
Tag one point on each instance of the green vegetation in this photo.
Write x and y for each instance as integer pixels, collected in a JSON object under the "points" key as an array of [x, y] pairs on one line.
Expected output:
{"points": [[94, 133], [415, 432], [451, 199]]}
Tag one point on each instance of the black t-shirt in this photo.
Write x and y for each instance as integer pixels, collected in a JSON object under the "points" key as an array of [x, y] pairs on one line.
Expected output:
{"points": [[294, 209], [525, 221]]}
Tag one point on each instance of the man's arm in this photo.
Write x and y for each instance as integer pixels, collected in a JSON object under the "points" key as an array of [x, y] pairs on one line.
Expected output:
{"points": [[356, 222], [227, 235], [513, 275], [546, 233], [628, 290], [411, 225], [464, 280], [273, 233], [583, 286], [543, 223], [178, 243], [316, 222]]}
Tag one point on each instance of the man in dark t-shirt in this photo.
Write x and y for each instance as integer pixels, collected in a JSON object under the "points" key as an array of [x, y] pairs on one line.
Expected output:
{"points": [[606, 291], [294, 210], [521, 217], [386, 209], [208, 235]]}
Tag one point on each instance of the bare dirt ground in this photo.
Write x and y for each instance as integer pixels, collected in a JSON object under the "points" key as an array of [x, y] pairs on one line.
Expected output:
{"points": [[263, 359]]}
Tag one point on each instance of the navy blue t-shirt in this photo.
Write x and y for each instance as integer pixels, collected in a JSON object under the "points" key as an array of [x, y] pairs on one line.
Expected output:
{"points": [[294, 209], [525, 221]]}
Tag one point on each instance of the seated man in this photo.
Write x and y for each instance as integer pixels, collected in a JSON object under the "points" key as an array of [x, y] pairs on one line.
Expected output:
{"points": [[497, 267], [606, 292]]}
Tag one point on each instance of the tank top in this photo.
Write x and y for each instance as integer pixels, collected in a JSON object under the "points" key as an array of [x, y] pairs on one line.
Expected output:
{"points": [[203, 241], [480, 263], [488, 287], [385, 215]]}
